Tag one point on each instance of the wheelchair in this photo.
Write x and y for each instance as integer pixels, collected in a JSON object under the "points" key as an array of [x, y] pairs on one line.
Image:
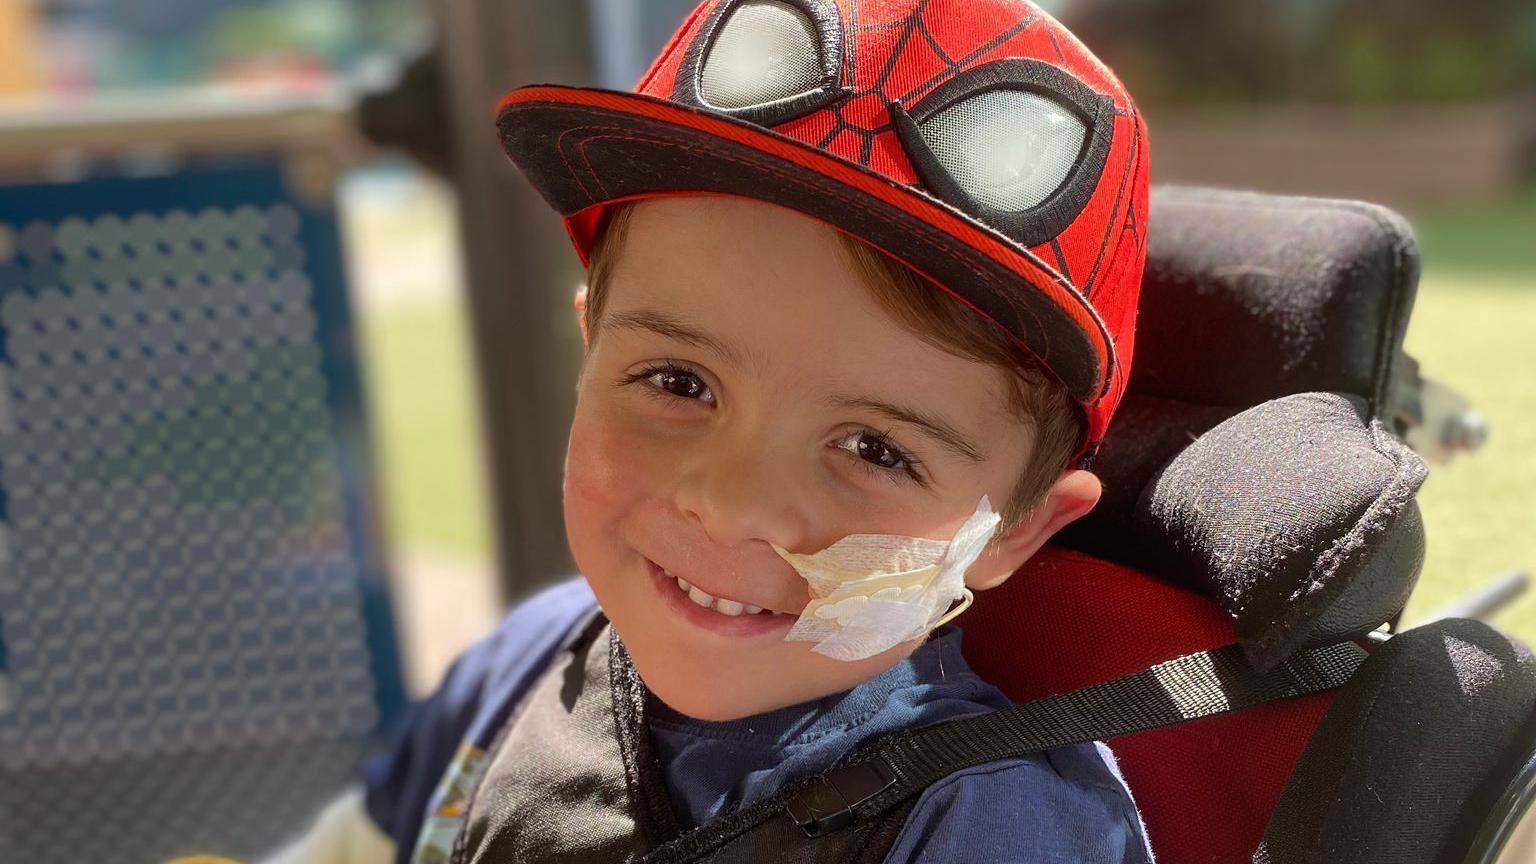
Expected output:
{"points": [[1258, 495]]}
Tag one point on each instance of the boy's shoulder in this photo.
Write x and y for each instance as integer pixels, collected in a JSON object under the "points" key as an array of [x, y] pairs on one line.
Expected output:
{"points": [[528, 636], [506, 661], [469, 705], [1068, 803]]}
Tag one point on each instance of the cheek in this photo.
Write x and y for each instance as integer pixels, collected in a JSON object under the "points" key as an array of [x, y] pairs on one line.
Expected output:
{"points": [[599, 487], [608, 479], [593, 481]]}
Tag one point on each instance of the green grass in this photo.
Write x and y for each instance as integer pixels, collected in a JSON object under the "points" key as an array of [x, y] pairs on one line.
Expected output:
{"points": [[1478, 511], [425, 431], [1473, 328], [1490, 241]]}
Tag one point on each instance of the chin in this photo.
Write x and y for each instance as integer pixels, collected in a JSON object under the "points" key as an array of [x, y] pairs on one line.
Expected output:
{"points": [[713, 689], [717, 686], [701, 706]]}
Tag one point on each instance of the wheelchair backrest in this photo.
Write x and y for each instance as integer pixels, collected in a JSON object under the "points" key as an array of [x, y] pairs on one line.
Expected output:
{"points": [[1247, 298]]}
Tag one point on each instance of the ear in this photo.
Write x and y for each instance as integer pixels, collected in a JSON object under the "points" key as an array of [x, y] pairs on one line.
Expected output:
{"points": [[1073, 495], [581, 315]]}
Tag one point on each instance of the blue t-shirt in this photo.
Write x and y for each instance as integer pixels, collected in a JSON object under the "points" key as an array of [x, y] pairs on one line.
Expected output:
{"points": [[1067, 804]]}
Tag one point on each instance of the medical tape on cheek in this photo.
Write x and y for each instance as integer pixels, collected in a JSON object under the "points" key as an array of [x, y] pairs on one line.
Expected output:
{"points": [[872, 592]]}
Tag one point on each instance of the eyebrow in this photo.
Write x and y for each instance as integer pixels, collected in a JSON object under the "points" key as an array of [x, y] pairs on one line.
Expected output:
{"points": [[662, 324]]}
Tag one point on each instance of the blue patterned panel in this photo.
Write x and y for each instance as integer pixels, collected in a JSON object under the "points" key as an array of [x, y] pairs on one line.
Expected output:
{"points": [[187, 572]]}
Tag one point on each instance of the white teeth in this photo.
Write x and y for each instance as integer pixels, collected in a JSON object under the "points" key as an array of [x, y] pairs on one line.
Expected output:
{"points": [[681, 582], [732, 608]]}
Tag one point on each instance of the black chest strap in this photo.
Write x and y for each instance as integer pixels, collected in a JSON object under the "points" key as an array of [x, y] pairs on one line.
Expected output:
{"points": [[887, 777], [573, 776]]}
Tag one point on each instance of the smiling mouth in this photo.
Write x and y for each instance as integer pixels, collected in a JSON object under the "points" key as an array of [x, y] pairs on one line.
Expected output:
{"points": [[722, 605]]}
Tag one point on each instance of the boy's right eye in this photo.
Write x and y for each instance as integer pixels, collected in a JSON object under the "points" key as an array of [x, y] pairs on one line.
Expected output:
{"points": [[675, 381]]}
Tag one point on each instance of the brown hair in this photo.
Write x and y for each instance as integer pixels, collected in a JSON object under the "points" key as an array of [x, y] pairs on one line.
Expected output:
{"points": [[1037, 396]]}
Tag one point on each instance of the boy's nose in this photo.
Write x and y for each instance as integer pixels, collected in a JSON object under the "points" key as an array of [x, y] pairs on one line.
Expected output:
{"points": [[736, 496]]}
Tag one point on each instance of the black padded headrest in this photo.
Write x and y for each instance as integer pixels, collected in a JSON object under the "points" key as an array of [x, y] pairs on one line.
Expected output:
{"points": [[1297, 516], [1247, 297], [1144, 435]]}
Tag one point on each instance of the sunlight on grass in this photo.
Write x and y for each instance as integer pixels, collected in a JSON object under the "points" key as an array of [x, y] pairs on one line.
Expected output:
{"points": [[1474, 332], [426, 431], [1472, 328]]}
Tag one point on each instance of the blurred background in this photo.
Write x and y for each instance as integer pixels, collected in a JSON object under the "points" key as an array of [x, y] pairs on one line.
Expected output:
{"points": [[440, 339]]}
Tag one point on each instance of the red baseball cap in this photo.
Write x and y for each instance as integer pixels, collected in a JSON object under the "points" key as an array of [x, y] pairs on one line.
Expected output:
{"points": [[978, 141]]}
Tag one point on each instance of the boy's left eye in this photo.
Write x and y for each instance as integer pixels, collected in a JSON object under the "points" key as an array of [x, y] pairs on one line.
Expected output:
{"points": [[876, 451]]}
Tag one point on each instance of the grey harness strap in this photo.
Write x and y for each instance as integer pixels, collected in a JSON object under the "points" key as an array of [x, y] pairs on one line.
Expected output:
{"points": [[572, 778]]}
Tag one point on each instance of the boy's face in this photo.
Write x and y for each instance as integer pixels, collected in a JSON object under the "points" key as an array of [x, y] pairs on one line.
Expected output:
{"points": [[743, 389]]}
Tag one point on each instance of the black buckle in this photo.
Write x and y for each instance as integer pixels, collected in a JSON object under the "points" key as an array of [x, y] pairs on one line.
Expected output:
{"points": [[827, 804]]}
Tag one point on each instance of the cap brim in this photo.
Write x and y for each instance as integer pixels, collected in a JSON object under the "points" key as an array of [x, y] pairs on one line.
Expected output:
{"points": [[583, 147]]}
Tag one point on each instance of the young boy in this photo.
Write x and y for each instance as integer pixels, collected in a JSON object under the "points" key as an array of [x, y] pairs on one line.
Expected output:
{"points": [[854, 268]]}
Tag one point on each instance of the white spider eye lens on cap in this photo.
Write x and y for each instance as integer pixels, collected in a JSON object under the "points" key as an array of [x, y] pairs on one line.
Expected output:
{"points": [[765, 52], [1007, 149]]}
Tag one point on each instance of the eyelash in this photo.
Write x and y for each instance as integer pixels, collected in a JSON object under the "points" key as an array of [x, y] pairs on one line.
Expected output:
{"points": [[910, 473]]}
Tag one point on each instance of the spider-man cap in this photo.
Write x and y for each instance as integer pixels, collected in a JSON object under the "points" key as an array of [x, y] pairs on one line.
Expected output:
{"points": [[976, 140]]}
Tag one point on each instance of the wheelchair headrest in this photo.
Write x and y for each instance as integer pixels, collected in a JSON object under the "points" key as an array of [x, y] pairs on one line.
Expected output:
{"points": [[1297, 516], [1249, 298]]}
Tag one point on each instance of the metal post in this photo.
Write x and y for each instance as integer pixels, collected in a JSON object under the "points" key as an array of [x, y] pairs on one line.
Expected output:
{"points": [[521, 272]]}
